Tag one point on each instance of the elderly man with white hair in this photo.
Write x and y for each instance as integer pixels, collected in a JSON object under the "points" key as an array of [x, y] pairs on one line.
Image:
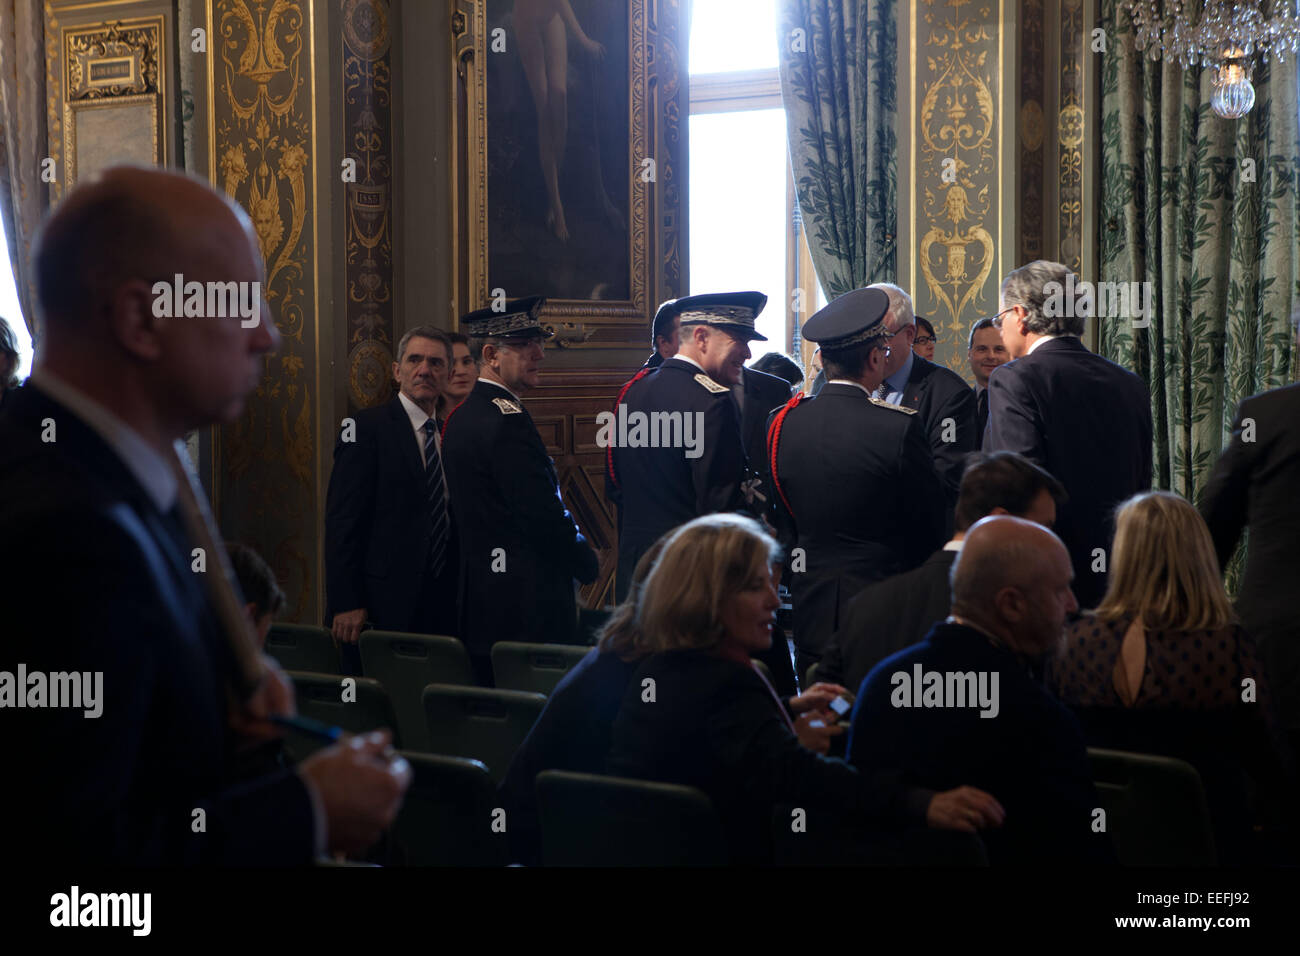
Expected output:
{"points": [[1080, 416]]}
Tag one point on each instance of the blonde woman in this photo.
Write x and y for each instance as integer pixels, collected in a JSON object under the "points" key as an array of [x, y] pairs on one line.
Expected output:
{"points": [[713, 722], [1162, 666]]}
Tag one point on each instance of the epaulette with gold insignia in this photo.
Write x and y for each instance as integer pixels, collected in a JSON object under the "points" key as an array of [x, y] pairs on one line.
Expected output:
{"points": [[507, 407], [897, 408], [710, 384]]}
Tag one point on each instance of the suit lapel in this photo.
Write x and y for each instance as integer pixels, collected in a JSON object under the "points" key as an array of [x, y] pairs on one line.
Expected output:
{"points": [[405, 437]]}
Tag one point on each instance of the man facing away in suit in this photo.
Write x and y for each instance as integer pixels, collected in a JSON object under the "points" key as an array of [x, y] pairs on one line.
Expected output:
{"points": [[964, 704], [985, 352], [898, 612], [1080, 416], [520, 550], [1255, 485], [942, 399], [101, 575], [390, 546]]}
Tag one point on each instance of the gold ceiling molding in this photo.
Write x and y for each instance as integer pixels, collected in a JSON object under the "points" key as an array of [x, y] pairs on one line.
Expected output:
{"points": [[958, 162]]}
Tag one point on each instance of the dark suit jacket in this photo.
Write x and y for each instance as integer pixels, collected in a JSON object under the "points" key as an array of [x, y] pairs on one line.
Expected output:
{"points": [[99, 581], [573, 733], [763, 394], [861, 488], [715, 725], [939, 394], [1088, 422], [1031, 756], [981, 417], [662, 487], [886, 617], [376, 522], [520, 550], [1254, 485]]}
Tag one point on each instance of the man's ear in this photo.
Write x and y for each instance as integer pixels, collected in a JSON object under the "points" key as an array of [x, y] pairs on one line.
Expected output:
{"points": [[1010, 604], [131, 320]]}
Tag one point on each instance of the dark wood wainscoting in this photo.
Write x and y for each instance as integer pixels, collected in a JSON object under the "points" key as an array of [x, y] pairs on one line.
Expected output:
{"points": [[565, 407]]}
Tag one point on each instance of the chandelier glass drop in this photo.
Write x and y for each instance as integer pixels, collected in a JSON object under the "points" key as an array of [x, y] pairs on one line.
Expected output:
{"points": [[1224, 38]]}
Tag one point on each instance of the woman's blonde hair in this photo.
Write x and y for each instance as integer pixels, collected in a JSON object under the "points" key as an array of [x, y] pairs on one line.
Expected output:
{"points": [[704, 563], [1163, 569], [620, 634]]}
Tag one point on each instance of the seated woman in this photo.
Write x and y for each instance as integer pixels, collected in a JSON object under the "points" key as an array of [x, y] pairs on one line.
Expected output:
{"points": [[1161, 665], [714, 723]]}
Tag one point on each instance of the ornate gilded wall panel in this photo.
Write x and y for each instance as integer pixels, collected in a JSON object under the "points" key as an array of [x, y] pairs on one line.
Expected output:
{"points": [[367, 247], [958, 165], [262, 150], [109, 93], [1030, 214], [1071, 121]]}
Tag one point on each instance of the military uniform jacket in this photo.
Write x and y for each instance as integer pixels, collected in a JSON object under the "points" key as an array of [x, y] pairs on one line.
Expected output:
{"points": [[519, 548], [856, 491], [662, 487]]}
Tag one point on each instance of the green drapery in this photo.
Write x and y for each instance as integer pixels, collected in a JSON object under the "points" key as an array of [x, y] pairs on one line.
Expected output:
{"points": [[1179, 210], [839, 85]]}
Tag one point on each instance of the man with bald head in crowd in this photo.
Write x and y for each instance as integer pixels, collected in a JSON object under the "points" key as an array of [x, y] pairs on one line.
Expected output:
{"points": [[141, 743], [964, 704]]}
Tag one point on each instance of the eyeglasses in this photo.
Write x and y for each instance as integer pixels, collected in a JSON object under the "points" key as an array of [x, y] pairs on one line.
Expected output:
{"points": [[924, 340], [997, 319]]}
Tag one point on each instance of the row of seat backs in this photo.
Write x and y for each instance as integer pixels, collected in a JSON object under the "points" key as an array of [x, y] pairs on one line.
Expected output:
{"points": [[1156, 816]]}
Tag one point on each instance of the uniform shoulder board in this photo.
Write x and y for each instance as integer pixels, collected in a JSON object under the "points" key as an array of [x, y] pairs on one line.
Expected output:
{"points": [[507, 407], [890, 405], [710, 384]]}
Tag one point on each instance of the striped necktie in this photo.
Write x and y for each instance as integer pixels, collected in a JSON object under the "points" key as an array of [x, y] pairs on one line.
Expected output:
{"points": [[435, 490], [882, 391]]}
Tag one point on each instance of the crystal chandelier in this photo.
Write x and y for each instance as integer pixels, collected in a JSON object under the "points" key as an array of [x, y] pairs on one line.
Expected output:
{"points": [[1224, 38]]}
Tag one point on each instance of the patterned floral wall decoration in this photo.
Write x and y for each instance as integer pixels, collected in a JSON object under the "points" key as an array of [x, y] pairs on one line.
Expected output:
{"points": [[368, 229], [261, 113], [1071, 127], [1030, 246], [958, 165]]}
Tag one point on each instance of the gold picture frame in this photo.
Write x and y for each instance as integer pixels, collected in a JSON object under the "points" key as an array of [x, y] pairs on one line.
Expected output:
{"points": [[649, 148], [101, 133]]}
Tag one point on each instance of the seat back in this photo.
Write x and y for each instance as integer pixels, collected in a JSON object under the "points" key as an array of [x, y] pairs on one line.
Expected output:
{"points": [[358, 708], [480, 723], [533, 667], [406, 664], [593, 820], [447, 818], [1156, 812], [303, 647]]}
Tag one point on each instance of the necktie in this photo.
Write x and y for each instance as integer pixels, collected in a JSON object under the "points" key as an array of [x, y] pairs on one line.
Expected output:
{"points": [[982, 406], [435, 490], [882, 391]]}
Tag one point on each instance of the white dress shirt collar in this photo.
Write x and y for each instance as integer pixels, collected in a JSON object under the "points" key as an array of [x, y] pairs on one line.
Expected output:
{"points": [[417, 414], [690, 361], [500, 386], [848, 381], [145, 463], [1039, 341]]}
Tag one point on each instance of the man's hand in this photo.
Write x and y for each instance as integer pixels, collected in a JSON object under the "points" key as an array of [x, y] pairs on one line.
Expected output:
{"points": [[361, 784], [965, 809], [816, 738], [816, 697], [274, 696], [348, 625]]}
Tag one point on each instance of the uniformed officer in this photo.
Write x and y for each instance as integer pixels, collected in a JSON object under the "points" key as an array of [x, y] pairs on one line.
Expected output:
{"points": [[853, 479], [520, 550], [676, 448]]}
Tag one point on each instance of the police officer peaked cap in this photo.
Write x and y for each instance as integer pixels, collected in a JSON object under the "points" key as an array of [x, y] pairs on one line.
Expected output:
{"points": [[733, 311], [852, 319], [519, 318]]}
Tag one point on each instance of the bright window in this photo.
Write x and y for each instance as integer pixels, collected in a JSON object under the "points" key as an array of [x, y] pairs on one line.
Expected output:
{"points": [[9, 309], [742, 206]]}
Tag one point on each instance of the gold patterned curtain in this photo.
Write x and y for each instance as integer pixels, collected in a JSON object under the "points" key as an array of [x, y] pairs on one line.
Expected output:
{"points": [[24, 196]]}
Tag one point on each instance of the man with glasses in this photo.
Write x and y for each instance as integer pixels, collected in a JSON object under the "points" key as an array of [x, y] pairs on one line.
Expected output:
{"points": [[855, 488], [520, 551], [1082, 417], [942, 399]]}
